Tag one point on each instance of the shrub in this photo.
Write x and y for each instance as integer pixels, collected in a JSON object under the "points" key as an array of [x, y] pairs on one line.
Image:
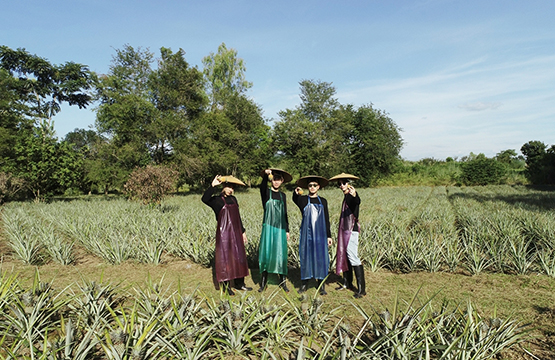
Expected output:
{"points": [[482, 171], [150, 184], [10, 186]]}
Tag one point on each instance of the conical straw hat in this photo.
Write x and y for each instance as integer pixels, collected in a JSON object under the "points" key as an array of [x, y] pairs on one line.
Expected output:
{"points": [[231, 179], [303, 182], [344, 176], [286, 176]]}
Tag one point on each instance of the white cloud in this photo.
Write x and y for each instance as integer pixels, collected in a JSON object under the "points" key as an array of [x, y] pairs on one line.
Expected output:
{"points": [[480, 106]]}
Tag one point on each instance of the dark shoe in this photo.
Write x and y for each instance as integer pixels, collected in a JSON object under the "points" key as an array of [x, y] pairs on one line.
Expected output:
{"points": [[343, 285], [263, 281], [349, 276], [359, 273], [322, 286], [283, 283], [244, 288], [304, 286], [227, 288], [240, 284]]}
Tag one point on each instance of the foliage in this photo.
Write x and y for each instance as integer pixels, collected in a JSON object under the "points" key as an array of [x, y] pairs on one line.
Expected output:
{"points": [[151, 183], [321, 136], [32, 91], [42, 87], [177, 93], [374, 143], [540, 162], [306, 135], [225, 76], [482, 171], [10, 186], [48, 167]]}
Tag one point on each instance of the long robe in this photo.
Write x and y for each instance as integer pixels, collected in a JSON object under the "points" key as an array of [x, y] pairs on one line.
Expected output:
{"points": [[347, 222], [313, 245], [272, 254], [230, 256]]}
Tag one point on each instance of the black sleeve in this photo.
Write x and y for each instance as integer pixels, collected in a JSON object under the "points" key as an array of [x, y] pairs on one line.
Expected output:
{"points": [[353, 202], [208, 195], [300, 200], [264, 190], [215, 202]]}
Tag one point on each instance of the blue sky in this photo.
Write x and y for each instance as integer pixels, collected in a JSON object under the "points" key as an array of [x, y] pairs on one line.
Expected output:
{"points": [[456, 76]]}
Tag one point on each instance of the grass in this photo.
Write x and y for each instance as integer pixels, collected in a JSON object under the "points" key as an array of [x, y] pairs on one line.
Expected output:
{"points": [[528, 298]]}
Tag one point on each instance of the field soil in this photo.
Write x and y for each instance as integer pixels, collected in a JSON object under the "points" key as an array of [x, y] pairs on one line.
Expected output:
{"points": [[529, 299]]}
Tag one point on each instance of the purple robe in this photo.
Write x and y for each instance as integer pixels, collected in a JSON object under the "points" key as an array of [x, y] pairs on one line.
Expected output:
{"points": [[230, 257], [346, 224]]}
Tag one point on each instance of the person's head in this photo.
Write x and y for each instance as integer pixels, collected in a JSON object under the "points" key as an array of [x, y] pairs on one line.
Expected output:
{"points": [[343, 185], [313, 183], [228, 189], [277, 180], [313, 186], [344, 181]]}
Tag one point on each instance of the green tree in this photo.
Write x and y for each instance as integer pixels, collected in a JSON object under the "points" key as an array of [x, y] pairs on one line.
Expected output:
{"points": [[323, 137], [177, 92], [42, 87], [234, 141], [540, 162], [374, 143], [310, 137], [47, 166], [125, 111], [225, 76], [31, 93]]}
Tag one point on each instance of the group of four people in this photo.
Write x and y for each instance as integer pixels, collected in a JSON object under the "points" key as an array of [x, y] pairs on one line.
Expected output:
{"points": [[315, 234]]}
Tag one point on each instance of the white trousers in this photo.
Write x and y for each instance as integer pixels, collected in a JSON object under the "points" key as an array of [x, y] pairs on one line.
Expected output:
{"points": [[352, 250]]}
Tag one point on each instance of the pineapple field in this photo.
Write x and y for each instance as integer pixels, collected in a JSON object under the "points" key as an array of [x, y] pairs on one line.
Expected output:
{"points": [[452, 273]]}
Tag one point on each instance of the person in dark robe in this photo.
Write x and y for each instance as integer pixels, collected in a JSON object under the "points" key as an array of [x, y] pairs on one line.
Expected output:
{"points": [[315, 236], [348, 259], [272, 253], [230, 260]]}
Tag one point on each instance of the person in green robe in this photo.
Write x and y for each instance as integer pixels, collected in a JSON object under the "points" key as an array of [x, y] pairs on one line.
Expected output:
{"points": [[272, 255]]}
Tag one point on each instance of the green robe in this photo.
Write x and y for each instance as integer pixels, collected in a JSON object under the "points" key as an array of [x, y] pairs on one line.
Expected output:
{"points": [[272, 255]]}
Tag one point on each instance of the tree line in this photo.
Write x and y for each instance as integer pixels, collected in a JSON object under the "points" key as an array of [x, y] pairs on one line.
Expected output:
{"points": [[158, 110]]}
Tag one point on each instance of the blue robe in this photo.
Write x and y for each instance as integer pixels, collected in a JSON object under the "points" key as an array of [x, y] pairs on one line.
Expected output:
{"points": [[313, 245]]}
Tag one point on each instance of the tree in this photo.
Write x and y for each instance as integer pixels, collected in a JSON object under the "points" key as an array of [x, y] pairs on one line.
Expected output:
{"points": [[151, 184], [234, 141], [31, 93], [374, 143], [309, 137], [540, 162], [125, 111], [42, 87], [47, 166], [225, 76], [323, 137], [177, 92]]}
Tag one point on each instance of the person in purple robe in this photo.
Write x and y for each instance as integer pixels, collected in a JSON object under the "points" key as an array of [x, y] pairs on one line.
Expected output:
{"points": [[230, 259], [348, 260]]}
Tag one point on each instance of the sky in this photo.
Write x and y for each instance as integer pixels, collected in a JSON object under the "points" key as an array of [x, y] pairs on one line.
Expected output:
{"points": [[456, 76]]}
